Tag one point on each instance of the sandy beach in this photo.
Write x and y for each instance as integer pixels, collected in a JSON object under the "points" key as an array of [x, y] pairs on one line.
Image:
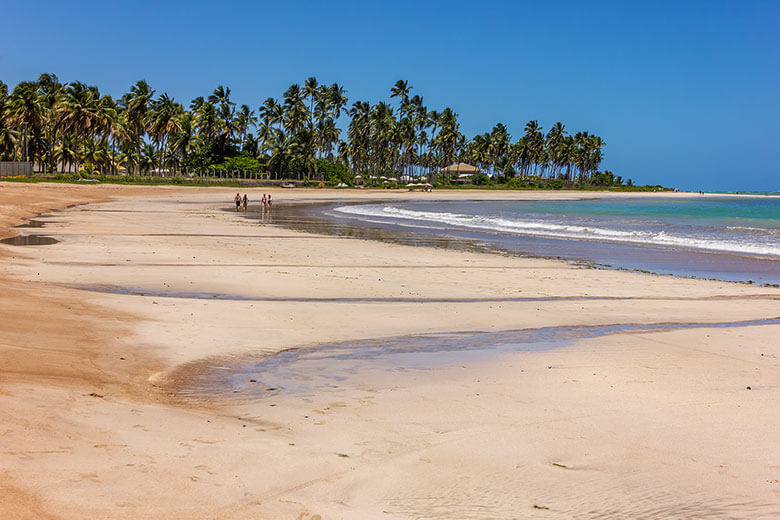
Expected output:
{"points": [[113, 338]]}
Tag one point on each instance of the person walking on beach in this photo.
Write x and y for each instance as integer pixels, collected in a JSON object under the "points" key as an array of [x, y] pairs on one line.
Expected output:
{"points": [[245, 201], [264, 200], [238, 201]]}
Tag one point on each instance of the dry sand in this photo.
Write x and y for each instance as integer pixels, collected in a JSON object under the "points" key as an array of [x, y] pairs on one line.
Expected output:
{"points": [[101, 415]]}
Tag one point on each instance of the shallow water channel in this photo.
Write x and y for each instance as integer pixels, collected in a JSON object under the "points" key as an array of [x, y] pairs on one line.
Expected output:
{"points": [[29, 240], [307, 370]]}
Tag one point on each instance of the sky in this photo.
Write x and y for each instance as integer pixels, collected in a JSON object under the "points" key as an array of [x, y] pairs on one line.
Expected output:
{"points": [[686, 94]]}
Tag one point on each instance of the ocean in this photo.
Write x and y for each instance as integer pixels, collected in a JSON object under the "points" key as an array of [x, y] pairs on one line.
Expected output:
{"points": [[725, 238]]}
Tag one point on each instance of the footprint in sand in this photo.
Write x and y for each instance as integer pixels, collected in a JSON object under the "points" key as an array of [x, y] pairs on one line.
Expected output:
{"points": [[207, 469]]}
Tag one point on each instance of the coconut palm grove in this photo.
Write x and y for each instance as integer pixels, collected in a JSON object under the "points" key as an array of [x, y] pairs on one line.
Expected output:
{"points": [[311, 133]]}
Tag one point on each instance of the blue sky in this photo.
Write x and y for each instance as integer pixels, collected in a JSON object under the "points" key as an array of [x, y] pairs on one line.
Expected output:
{"points": [[685, 94]]}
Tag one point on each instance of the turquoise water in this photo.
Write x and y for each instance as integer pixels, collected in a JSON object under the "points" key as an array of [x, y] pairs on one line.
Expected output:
{"points": [[759, 212], [727, 238], [747, 226]]}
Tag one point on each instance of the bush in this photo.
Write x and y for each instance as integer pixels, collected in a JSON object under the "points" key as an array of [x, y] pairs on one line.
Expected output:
{"points": [[515, 183], [481, 179], [333, 173]]}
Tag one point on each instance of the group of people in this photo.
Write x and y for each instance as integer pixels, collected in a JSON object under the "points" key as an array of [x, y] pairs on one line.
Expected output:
{"points": [[244, 201]]}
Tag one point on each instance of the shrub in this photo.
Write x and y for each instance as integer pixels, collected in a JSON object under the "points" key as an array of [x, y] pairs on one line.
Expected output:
{"points": [[481, 179], [515, 183], [333, 173]]}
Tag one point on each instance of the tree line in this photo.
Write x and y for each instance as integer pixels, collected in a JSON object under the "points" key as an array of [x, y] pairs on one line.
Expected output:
{"points": [[73, 127]]}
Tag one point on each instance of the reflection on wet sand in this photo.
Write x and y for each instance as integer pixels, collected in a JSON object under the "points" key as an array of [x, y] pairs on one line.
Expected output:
{"points": [[307, 370], [29, 240], [318, 218], [308, 218]]}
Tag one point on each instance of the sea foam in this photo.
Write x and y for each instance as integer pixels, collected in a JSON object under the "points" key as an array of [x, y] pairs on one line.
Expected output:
{"points": [[562, 231]]}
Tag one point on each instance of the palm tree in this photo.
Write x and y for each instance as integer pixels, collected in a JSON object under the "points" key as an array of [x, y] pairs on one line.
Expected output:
{"points": [[338, 100], [25, 109], [66, 152], [555, 140], [245, 119], [401, 90], [359, 133], [498, 149], [51, 91], [311, 92], [106, 121], [221, 96], [8, 133], [226, 129], [534, 143], [302, 153], [206, 120], [78, 113], [271, 112], [521, 156], [295, 112], [327, 134], [263, 135], [568, 155], [448, 137], [163, 122], [280, 147], [149, 158], [421, 120], [137, 104], [183, 139]]}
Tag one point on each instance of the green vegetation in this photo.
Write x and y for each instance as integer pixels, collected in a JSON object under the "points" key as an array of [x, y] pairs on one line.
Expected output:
{"points": [[334, 173], [72, 128]]}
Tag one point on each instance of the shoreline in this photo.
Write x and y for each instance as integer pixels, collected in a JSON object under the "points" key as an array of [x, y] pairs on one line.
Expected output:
{"points": [[732, 267], [408, 443]]}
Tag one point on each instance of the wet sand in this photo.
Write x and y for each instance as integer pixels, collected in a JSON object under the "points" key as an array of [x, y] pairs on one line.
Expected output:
{"points": [[110, 333], [323, 219]]}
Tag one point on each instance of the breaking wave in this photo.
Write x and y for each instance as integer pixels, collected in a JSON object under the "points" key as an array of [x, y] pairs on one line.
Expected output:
{"points": [[541, 228]]}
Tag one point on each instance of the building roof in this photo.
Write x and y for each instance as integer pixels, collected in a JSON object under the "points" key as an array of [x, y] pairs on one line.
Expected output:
{"points": [[460, 168]]}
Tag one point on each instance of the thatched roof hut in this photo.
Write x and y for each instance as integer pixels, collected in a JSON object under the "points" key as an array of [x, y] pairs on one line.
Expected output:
{"points": [[460, 168]]}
